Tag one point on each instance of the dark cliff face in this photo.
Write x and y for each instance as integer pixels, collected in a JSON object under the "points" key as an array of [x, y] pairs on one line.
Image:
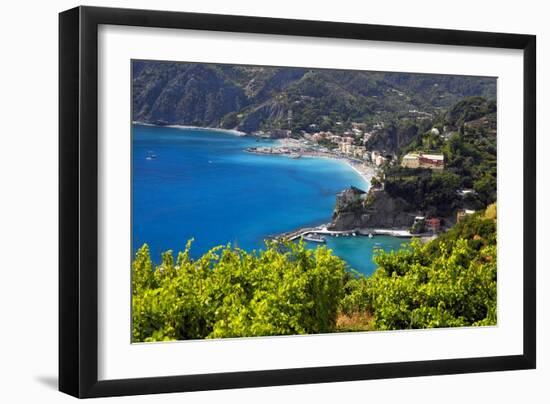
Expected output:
{"points": [[375, 210], [252, 98], [186, 94], [394, 137]]}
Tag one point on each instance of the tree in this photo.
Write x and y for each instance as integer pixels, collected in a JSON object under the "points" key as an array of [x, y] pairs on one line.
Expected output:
{"points": [[486, 188]]}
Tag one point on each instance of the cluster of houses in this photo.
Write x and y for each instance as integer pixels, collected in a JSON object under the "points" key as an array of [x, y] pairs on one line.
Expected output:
{"points": [[358, 130], [351, 150], [336, 139], [346, 142], [347, 145], [361, 152]]}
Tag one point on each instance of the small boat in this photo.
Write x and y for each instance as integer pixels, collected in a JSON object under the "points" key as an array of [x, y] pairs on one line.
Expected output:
{"points": [[315, 238], [295, 155], [150, 156], [370, 235]]}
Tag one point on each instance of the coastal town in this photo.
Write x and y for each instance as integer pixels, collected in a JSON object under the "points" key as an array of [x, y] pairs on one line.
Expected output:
{"points": [[347, 144], [350, 147]]}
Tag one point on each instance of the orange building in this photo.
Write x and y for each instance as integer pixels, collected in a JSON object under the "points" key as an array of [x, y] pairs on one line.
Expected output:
{"points": [[434, 224]]}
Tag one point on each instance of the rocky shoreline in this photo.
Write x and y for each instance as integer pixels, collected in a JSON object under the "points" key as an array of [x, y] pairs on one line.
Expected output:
{"points": [[373, 209]]}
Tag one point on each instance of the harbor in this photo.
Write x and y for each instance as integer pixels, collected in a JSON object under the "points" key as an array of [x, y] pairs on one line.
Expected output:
{"points": [[309, 233]]}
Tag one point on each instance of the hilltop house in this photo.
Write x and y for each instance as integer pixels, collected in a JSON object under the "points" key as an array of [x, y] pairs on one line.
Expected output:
{"points": [[462, 213], [421, 160]]}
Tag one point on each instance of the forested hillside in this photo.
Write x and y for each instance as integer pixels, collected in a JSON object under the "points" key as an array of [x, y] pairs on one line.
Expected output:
{"points": [[466, 136], [251, 98]]}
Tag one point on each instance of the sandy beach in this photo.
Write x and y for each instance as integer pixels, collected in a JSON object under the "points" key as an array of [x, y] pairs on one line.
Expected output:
{"points": [[366, 171], [229, 131]]}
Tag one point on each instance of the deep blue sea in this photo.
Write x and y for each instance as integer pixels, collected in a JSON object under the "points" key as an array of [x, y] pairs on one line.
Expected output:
{"points": [[201, 184]]}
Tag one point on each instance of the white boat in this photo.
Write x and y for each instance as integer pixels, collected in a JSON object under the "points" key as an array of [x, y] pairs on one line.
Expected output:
{"points": [[150, 156], [315, 238], [370, 235]]}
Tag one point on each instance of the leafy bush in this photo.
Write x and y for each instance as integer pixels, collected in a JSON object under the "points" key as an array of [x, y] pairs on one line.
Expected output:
{"points": [[287, 289], [284, 289], [448, 282]]}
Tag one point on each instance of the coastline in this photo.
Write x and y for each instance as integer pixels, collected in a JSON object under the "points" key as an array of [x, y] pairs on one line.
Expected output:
{"points": [[364, 170], [357, 232], [228, 131], [360, 177]]}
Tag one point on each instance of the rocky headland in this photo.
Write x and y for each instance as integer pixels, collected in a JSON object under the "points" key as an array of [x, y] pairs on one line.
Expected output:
{"points": [[356, 208]]}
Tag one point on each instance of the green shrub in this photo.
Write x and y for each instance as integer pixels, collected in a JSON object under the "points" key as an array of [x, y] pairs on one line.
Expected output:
{"points": [[448, 282], [288, 289], [284, 289]]}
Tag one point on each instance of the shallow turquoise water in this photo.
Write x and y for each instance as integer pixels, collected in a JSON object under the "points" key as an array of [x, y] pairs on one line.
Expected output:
{"points": [[358, 251], [201, 184]]}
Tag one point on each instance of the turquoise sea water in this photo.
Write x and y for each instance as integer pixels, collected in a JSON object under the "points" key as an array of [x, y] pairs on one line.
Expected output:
{"points": [[358, 251], [201, 184]]}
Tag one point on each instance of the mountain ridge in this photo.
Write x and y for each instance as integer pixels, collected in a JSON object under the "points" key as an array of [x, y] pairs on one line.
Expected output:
{"points": [[256, 98]]}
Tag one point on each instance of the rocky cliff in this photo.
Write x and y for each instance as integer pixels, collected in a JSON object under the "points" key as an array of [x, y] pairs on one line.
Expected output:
{"points": [[375, 209]]}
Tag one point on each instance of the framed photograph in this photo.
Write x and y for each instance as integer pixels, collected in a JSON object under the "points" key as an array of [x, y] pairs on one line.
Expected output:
{"points": [[251, 201]]}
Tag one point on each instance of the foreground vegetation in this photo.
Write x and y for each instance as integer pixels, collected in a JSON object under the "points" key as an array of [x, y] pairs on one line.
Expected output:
{"points": [[448, 282], [231, 293], [288, 289]]}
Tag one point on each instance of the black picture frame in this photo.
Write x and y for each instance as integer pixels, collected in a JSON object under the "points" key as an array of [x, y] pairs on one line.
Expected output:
{"points": [[78, 201]]}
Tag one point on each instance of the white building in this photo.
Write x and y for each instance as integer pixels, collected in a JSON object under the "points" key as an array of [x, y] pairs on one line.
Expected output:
{"points": [[379, 160]]}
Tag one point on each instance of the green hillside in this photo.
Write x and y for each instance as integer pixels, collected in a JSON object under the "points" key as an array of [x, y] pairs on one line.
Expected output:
{"points": [[251, 98]]}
